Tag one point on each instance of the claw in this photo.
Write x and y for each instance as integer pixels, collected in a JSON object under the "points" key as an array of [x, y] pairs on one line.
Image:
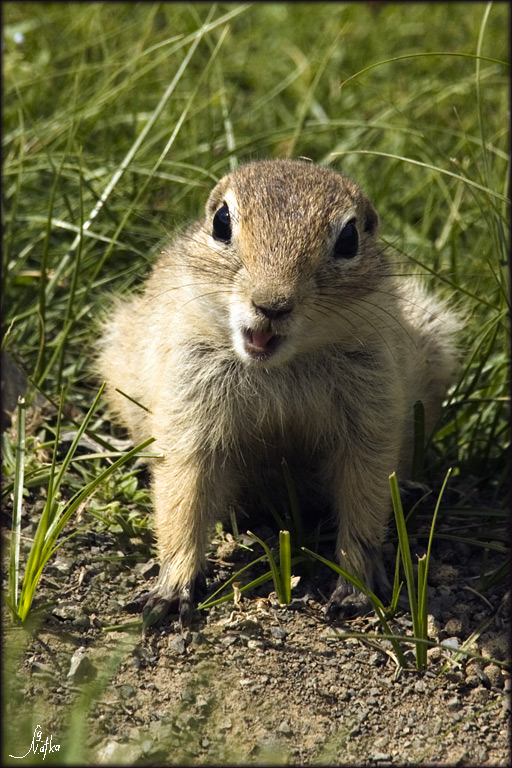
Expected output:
{"points": [[138, 603], [157, 604], [186, 611], [346, 601], [155, 611], [186, 606]]}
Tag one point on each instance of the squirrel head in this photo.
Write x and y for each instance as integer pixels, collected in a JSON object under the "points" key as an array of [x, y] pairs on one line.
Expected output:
{"points": [[296, 243]]}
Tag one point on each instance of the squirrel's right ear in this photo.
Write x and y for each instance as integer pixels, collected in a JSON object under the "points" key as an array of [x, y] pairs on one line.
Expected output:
{"points": [[371, 219], [216, 198]]}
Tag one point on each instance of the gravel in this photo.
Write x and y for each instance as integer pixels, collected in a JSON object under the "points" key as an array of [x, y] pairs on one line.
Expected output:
{"points": [[259, 683]]}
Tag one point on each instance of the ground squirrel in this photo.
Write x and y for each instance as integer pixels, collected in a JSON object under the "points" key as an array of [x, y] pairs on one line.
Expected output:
{"points": [[273, 328]]}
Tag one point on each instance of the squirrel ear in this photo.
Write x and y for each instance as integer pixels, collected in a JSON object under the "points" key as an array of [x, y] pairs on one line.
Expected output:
{"points": [[216, 197], [371, 219]]}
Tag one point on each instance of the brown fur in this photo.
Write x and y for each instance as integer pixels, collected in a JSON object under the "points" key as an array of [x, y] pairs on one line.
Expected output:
{"points": [[358, 347]]}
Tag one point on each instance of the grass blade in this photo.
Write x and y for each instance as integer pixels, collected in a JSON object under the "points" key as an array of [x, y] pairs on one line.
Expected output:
{"points": [[403, 542], [44, 523], [285, 566], [423, 566], [47, 533], [89, 489], [276, 577], [194, 40], [417, 594], [81, 429], [210, 602], [405, 553], [376, 603], [429, 166], [17, 506], [421, 648]]}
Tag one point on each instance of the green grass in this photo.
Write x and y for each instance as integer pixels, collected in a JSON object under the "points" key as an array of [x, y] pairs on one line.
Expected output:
{"points": [[56, 513], [112, 141], [118, 118], [417, 592], [417, 589]]}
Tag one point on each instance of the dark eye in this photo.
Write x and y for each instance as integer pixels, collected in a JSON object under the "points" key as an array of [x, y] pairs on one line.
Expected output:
{"points": [[347, 243], [222, 225]]}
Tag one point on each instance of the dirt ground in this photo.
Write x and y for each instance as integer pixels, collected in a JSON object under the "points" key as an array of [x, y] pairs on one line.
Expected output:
{"points": [[257, 682]]}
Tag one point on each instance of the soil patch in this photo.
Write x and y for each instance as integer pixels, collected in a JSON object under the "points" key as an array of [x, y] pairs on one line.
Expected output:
{"points": [[257, 682]]}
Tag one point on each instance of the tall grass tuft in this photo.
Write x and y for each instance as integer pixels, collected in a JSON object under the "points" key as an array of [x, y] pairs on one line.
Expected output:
{"points": [[56, 511], [418, 596]]}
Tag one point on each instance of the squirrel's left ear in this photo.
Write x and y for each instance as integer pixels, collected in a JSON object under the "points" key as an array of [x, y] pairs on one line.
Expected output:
{"points": [[371, 219]]}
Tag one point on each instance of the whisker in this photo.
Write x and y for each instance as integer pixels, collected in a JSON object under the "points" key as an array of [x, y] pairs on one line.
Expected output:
{"points": [[339, 311]]}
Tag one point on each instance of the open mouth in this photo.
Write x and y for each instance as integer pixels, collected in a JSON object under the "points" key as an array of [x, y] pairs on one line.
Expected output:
{"points": [[260, 345]]}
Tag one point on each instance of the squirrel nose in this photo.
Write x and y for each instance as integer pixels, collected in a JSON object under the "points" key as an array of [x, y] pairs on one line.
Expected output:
{"points": [[274, 310]]}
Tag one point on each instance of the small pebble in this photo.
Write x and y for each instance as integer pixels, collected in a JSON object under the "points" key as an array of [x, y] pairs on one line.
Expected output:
{"points": [[455, 676], [433, 627], [443, 573], [81, 668], [177, 644], [454, 704], [493, 672], [479, 695], [454, 627], [65, 610], [284, 728], [453, 643], [434, 655], [127, 691], [228, 640]]}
